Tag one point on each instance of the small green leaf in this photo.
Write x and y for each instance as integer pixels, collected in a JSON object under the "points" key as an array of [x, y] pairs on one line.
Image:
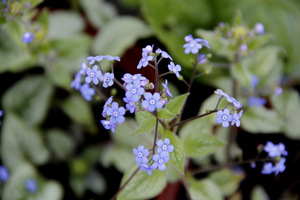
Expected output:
{"points": [[204, 189], [227, 181], [145, 126], [177, 156], [258, 193], [96, 182], [261, 120], [36, 93], [242, 74], [199, 145], [292, 124], [142, 186], [143, 115], [80, 111], [175, 104]]}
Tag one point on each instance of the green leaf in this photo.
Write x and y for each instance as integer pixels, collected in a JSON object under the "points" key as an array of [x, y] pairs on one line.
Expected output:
{"points": [[292, 124], [98, 12], [36, 93], [20, 143], [204, 189], [145, 126], [96, 182], [242, 74], [261, 120], [177, 156], [63, 24], [165, 114], [227, 181], [60, 143], [143, 115], [80, 111], [142, 186], [175, 104], [199, 145], [258, 193]]}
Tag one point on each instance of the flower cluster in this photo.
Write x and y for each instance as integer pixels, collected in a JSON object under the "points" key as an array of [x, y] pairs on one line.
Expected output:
{"points": [[4, 175], [275, 151], [225, 116], [91, 72], [193, 45], [14, 8], [31, 185], [158, 160]]}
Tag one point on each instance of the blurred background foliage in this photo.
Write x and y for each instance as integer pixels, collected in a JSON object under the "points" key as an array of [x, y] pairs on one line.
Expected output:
{"points": [[50, 133]]}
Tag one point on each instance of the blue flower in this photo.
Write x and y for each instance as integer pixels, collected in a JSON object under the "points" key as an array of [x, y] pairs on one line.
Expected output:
{"points": [[175, 69], [111, 58], [144, 61], [202, 59], [108, 125], [76, 83], [87, 92], [220, 93], [108, 79], [93, 59], [163, 54], [31, 185], [27, 37], [256, 101], [275, 150], [93, 75], [116, 113], [108, 102], [194, 45], [236, 119], [267, 168], [152, 101], [280, 166], [147, 50], [83, 69], [232, 100], [141, 154], [1, 114], [243, 47], [136, 79], [164, 146], [130, 103], [134, 91], [146, 168], [4, 175], [166, 88], [254, 81], [259, 28], [224, 117], [160, 160]]}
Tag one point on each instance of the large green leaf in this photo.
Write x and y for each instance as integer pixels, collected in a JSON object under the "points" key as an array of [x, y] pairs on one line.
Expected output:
{"points": [[98, 12], [21, 143], [261, 120], [80, 111], [29, 98], [177, 156], [199, 145], [204, 189], [142, 186]]}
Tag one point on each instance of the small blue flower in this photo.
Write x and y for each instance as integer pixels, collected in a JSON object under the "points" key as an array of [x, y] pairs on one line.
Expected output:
{"points": [[163, 54], [194, 45], [108, 102], [152, 101], [116, 113], [93, 59], [220, 93], [93, 75], [254, 81], [224, 117], [134, 91], [259, 28], [31, 185], [232, 100], [175, 69], [160, 160], [256, 101], [164, 146], [144, 61], [243, 47], [87, 92], [236, 119], [4, 175], [108, 125], [141, 154], [83, 69], [267, 168], [111, 58], [136, 79], [146, 168], [275, 150], [202, 59], [147, 50], [108, 79], [130, 103], [280, 166], [76, 83], [27, 37], [166, 88]]}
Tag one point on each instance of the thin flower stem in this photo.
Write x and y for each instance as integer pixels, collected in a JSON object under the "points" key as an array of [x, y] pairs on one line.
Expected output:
{"points": [[155, 135], [126, 183], [193, 118], [151, 65], [98, 90], [119, 84], [201, 74], [164, 74]]}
